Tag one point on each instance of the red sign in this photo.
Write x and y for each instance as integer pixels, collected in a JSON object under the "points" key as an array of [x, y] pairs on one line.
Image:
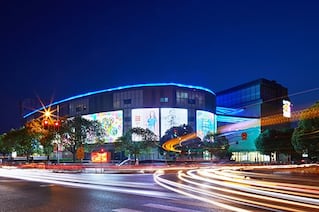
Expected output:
{"points": [[244, 136], [100, 157]]}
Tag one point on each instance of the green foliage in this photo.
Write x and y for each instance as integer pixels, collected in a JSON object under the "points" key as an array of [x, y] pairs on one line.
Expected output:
{"points": [[273, 140], [74, 133], [135, 147], [264, 143], [20, 141], [5, 146], [44, 136], [217, 145], [176, 131], [305, 138]]}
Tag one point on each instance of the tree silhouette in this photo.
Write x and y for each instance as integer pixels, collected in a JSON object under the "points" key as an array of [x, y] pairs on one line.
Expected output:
{"points": [[148, 139], [305, 138], [74, 133], [216, 145]]}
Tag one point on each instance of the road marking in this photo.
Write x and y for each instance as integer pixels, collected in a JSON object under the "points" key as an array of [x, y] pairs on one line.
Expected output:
{"points": [[125, 210], [10, 181], [47, 185], [169, 208]]}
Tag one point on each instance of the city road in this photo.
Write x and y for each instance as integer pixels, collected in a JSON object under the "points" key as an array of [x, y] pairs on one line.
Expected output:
{"points": [[179, 189], [43, 190], [239, 188]]}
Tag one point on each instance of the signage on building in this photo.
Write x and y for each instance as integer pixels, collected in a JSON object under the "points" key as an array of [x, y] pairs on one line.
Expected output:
{"points": [[286, 108], [100, 157], [244, 136]]}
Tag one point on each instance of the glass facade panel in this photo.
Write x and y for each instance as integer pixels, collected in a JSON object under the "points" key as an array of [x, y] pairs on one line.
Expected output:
{"points": [[239, 97]]}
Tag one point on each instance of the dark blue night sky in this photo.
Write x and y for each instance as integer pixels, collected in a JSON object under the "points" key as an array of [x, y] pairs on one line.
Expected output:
{"points": [[63, 48]]}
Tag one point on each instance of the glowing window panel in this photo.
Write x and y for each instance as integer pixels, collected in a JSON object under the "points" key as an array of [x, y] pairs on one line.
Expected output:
{"points": [[172, 117], [146, 118], [286, 108], [100, 157], [112, 122], [205, 123]]}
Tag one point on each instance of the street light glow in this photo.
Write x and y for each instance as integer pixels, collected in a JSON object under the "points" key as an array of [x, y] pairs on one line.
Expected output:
{"points": [[47, 113]]}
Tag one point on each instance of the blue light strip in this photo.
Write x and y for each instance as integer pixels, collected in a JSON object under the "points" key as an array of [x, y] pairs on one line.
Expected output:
{"points": [[119, 88], [228, 111], [233, 119]]}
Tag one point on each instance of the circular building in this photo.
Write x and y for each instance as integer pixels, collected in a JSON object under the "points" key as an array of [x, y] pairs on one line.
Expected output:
{"points": [[157, 106]]}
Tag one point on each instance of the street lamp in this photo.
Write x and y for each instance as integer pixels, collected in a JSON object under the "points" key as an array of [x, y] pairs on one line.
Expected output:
{"points": [[47, 114], [51, 121], [101, 158]]}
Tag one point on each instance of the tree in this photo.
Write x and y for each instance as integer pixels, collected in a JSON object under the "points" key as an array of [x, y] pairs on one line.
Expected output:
{"points": [[96, 137], [19, 140], [284, 141], [190, 146], [273, 140], [305, 137], [74, 133], [265, 142], [44, 136], [5, 146], [148, 139], [217, 145]]}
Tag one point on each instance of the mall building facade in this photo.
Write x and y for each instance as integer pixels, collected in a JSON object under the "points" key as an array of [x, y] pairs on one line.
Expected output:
{"points": [[236, 113], [157, 106]]}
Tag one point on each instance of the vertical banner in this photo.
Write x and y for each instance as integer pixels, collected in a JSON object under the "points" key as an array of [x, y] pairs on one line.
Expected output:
{"points": [[146, 118], [205, 123], [172, 117]]}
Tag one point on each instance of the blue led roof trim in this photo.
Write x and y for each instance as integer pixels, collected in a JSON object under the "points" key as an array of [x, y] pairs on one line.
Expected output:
{"points": [[119, 88]]}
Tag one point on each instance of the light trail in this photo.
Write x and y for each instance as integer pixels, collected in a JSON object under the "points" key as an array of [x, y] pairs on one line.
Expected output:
{"points": [[87, 181], [171, 144], [257, 188], [228, 197], [186, 190], [242, 190]]}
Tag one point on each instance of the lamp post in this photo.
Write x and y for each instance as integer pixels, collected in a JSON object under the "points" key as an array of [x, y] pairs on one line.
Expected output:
{"points": [[49, 122], [101, 158], [56, 128]]}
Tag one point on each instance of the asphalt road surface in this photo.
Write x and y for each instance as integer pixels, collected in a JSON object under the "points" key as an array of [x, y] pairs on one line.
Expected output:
{"points": [[90, 192], [240, 188], [179, 189]]}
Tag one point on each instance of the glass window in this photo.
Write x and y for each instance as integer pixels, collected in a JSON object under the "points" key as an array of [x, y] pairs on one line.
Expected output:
{"points": [[127, 101], [191, 101], [164, 99], [181, 98], [78, 108], [181, 94]]}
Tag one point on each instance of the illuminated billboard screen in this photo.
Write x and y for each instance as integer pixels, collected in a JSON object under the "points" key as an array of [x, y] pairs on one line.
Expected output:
{"points": [[112, 122], [205, 123], [171, 117], [100, 157], [286, 108], [146, 118]]}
